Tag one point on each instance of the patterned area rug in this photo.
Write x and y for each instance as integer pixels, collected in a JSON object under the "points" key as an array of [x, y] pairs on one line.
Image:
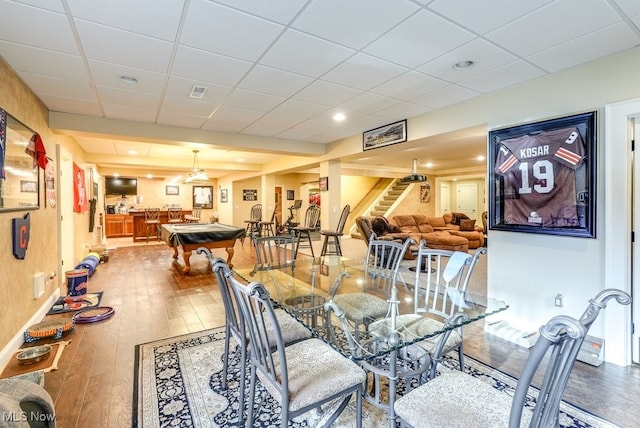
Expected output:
{"points": [[178, 382]]}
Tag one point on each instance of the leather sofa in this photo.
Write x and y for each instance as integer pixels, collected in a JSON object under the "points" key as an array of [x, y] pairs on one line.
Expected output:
{"points": [[419, 228], [459, 224]]}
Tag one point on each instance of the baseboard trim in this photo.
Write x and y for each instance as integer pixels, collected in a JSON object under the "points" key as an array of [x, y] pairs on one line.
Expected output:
{"points": [[16, 342]]}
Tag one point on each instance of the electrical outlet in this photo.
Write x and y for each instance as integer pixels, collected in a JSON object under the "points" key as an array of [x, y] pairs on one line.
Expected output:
{"points": [[559, 300]]}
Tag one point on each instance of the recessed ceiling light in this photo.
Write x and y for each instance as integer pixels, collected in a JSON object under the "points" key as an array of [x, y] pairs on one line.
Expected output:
{"points": [[339, 117], [463, 64], [429, 165], [128, 80], [149, 176], [132, 152], [116, 175], [480, 158], [240, 160]]}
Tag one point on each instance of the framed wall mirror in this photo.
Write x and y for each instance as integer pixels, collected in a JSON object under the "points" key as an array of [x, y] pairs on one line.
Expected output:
{"points": [[20, 189]]}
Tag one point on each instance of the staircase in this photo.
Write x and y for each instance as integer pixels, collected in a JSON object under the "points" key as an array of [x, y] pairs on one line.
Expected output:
{"points": [[385, 202]]}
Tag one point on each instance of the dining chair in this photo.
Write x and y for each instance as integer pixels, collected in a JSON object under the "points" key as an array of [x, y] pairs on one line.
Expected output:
{"points": [[382, 263], [303, 376], [152, 221], [311, 217], [194, 217], [235, 323], [174, 215], [273, 252], [335, 235], [268, 227], [441, 281], [255, 217], [459, 398]]}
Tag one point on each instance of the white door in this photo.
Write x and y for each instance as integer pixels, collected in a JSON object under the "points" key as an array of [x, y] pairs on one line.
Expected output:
{"points": [[468, 199], [65, 211], [445, 198]]}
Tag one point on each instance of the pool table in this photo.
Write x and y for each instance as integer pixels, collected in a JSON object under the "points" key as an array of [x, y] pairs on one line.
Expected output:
{"points": [[192, 236]]}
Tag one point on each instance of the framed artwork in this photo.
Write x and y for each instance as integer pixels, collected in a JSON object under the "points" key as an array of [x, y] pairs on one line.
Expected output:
{"points": [[385, 135], [543, 177], [171, 190], [224, 196], [290, 195], [425, 193], [27, 186], [249, 195], [324, 183], [203, 197]]}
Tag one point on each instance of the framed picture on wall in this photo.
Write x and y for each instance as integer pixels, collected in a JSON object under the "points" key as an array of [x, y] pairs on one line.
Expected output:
{"points": [[385, 135], [224, 196], [172, 190], [324, 184], [203, 197], [543, 177], [290, 195]]}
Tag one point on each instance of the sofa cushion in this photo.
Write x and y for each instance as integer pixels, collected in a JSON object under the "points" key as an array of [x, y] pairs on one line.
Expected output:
{"points": [[393, 228], [467, 225], [437, 221]]}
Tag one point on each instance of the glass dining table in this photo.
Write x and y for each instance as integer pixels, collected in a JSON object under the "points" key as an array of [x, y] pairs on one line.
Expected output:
{"points": [[306, 288]]}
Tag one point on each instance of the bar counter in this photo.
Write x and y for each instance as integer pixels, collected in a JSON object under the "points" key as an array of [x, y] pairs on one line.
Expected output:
{"points": [[139, 228]]}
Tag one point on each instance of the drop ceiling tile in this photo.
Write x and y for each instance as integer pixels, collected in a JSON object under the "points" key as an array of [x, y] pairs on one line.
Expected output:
{"points": [[372, 18], [303, 131], [502, 77], [188, 106], [304, 54], [229, 34], [153, 18], [446, 96], [604, 42], [72, 105], [17, 24], [231, 119], [413, 42], [408, 86], [485, 56], [271, 124], [180, 118], [401, 111], [133, 99], [630, 7], [299, 108], [98, 145], [123, 147], [107, 74], [180, 88], [320, 92], [368, 103], [130, 113], [281, 11], [364, 72], [563, 21], [275, 82], [121, 47], [482, 17], [203, 66], [253, 100], [80, 90], [27, 59]]}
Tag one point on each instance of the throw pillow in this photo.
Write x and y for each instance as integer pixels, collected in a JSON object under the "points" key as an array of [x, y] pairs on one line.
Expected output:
{"points": [[467, 225]]}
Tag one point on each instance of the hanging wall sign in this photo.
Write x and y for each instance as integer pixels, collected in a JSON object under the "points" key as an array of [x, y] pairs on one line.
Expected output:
{"points": [[21, 230]]}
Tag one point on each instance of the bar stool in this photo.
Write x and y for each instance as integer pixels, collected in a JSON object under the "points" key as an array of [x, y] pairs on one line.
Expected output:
{"points": [[194, 217], [311, 217], [152, 220], [335, 234], [174, 215], [253, 224], [266, 227]]}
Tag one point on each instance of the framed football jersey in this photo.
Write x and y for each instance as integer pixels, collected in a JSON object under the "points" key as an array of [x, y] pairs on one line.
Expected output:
{"points": [[543, 177]]}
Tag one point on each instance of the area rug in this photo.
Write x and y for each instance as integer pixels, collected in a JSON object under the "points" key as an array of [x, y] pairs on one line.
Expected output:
{"points": [[178, 382], [72, 304], [13, 368]]}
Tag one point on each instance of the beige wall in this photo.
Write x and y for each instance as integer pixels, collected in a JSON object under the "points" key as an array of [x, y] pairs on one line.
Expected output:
{"points": [[16, 276]]}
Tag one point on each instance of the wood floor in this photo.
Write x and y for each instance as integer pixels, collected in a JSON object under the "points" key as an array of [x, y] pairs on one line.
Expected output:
{"points": [[153, 299]]}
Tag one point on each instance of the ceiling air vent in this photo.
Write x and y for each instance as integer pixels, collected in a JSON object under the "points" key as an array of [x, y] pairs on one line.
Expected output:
{"points": [[197, 91]]}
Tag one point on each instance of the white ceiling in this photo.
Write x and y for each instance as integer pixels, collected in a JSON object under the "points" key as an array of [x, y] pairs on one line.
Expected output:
{"points": [[276, 71]]}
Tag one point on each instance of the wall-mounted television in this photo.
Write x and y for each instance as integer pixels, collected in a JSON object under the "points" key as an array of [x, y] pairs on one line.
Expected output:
{"points": [[121, 186]]}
